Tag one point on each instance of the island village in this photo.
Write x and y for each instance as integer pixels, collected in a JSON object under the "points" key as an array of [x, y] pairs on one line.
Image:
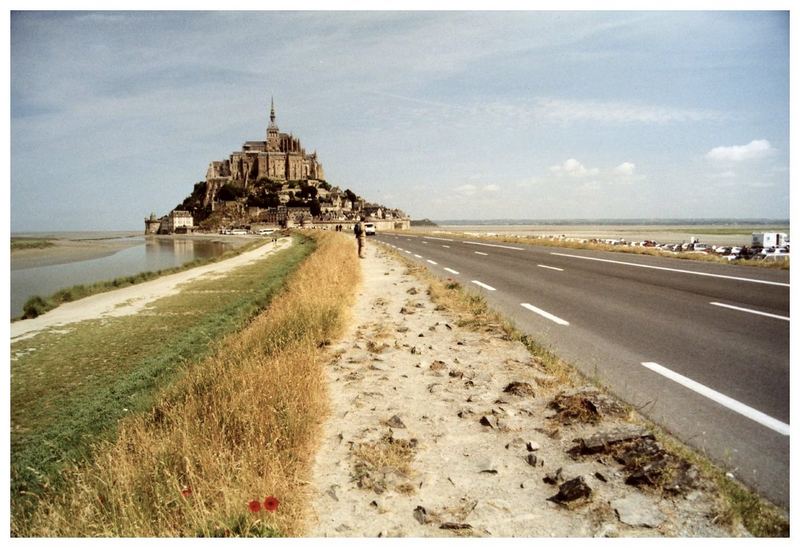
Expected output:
{"points": [[270, 184]]}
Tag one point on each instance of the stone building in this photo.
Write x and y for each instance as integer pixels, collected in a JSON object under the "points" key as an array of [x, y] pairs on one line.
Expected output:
{"points": [[152, 224], [280, 157], [176, 222]]}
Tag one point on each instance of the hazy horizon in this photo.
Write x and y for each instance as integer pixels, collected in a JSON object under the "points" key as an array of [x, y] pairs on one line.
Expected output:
{"points": [[449, 115]]}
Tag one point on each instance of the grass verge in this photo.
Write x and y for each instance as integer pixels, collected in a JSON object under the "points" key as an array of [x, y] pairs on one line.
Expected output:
{"points": [[37, 305], [736, 503], [232, 428], [68, 390]]}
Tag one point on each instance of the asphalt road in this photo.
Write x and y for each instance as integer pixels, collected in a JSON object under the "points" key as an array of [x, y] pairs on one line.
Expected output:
{"points": [[701, 348]]}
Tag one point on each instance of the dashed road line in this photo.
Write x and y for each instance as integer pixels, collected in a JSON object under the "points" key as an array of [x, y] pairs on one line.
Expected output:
{"points": [[432, 262], [722, 399], [496, 245], [451, 271], [447, 246], [407, 251], [767, 314], [417, 256], [550, 267], [483, 285], [752, 280], [442, 239], [545, 314], [480, 253]]}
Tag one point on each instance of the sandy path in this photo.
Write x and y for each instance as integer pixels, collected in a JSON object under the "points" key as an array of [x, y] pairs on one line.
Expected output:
{"points": [[414, 383], [132, 299]]}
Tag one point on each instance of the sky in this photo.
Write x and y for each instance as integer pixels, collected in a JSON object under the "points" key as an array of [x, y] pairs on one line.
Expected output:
{"points": [[445, 115]]}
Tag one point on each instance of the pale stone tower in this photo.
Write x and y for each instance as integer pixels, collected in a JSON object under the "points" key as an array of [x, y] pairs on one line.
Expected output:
{"points": [[273, 139]]}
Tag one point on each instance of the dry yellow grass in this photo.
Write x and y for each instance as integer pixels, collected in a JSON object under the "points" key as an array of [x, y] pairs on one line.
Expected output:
{"points": [[240, 426]]}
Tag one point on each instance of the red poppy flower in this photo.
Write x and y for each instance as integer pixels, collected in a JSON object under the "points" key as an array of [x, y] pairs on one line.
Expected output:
{"points": [[254, 506], [186, 491], [271, 504]]}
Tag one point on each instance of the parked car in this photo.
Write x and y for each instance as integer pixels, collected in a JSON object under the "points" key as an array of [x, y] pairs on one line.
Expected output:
{"points": [[239, 232], [369, 229], [723, 250], [775, 253]]}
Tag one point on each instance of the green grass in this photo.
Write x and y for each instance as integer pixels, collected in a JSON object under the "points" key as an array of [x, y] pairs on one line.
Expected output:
{"points": [[68, 390], [37, 305], [30, 243]]}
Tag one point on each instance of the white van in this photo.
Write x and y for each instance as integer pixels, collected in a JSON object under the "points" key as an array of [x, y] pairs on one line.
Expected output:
{"points": [[369, 229]]}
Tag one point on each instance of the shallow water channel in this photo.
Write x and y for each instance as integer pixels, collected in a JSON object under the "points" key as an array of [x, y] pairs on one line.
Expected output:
{"points": [[146, 255]]}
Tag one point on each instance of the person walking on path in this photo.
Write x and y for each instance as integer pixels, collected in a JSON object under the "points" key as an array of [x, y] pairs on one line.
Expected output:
{"points": [[361, 236]]}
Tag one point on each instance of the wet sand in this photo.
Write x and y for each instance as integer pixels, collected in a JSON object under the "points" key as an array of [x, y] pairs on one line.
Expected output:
{"points": [[76, 247]]}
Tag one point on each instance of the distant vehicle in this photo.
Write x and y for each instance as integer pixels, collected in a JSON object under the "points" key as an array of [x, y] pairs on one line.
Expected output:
{"points": [[769, 239], [265, 231], [369, 229], [238, 232], [702, 248], [777, 253], [736, 250], [723, 250]]}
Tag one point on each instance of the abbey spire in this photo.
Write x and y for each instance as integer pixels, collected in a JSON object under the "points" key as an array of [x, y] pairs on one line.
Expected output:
{"points": [[272, 114]]}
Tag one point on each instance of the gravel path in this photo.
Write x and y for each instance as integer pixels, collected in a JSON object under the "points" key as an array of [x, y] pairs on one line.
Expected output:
{"points": [[132, 299], [424, 441]]}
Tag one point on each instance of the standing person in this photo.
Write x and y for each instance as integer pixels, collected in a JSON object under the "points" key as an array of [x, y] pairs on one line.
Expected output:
{"points": [[361, 237]]}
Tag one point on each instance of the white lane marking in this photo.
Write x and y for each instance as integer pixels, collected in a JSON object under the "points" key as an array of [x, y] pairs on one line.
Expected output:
{"points": [[407, 251], [672, 269], [483, 285], [400, 249], [451, 271], [767, 314], [481, 253], [442, 239], [722, 399], [550, 267], [495, 245], [432, 262], [447, 246], [424, 242], [417, 256], [551, 317]]}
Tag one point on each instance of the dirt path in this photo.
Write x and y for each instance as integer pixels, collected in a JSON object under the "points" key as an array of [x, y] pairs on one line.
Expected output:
{"points": [[423, 440], [130, 300]]}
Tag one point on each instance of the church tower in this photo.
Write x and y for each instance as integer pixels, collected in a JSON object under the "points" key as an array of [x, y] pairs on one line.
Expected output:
{"points": [[273, 140]]}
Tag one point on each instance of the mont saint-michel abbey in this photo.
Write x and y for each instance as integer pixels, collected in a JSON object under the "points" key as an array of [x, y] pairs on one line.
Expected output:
{"points": [[270, 183], [280, 158]]}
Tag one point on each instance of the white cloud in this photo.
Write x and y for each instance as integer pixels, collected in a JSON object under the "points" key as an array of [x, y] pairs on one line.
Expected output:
{"points": [[625, 168], [573, 168], [466, 190], [491, 188], [754, 150]]}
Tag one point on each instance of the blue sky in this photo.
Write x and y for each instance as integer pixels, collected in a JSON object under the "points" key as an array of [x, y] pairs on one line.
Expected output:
{"points": [[447, 115]]}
